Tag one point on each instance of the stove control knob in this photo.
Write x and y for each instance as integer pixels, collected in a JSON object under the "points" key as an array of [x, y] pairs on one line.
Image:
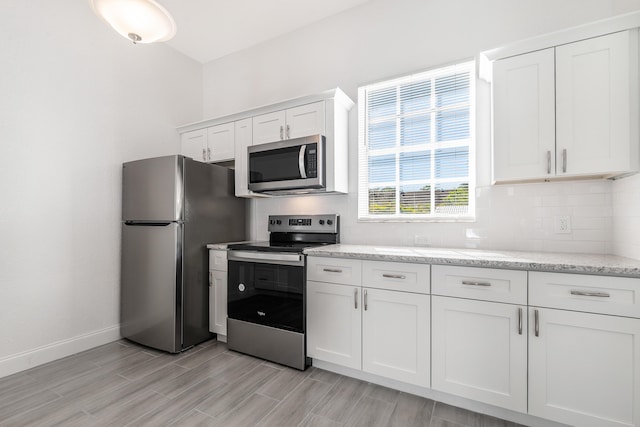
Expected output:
{"points": [[278, 222], [321, 222], [271, 222], [329, 222]]}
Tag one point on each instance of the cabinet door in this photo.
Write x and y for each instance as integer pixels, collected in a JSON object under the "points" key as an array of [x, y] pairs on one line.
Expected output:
{"points": [[524, 117], [305, 120], [479, 351], [334, 323], [268, 127], [221, 142], [243, 140], [395, 335], [218, 302], [194, 145], [584, 369], [594, 90]]}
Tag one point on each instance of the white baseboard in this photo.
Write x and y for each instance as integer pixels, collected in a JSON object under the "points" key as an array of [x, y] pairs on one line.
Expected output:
{"points": [[57, 350]]}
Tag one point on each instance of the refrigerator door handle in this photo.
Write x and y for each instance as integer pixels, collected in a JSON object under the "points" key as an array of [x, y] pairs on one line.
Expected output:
{"points": [[149, 223]]}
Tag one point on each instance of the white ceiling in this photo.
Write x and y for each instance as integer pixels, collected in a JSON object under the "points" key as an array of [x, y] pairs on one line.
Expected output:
{"points": [[210, 29]]}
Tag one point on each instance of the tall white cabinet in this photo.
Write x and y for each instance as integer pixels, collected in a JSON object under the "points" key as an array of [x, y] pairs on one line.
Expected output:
{"points": [[567, 111]]}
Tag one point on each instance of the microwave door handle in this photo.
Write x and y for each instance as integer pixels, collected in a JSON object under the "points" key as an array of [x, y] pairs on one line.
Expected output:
{"points": [[303, 172]]}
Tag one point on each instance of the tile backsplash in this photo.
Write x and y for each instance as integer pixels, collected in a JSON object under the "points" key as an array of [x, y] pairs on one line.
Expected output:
{"points": [[512, 217]]}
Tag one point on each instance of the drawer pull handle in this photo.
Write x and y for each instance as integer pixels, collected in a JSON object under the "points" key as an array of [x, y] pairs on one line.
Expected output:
{"points": [[519, 320], [591, 294], [470, 283], [536, 318], [394, 276], [355, 298], [366, 305], [332, 270]]}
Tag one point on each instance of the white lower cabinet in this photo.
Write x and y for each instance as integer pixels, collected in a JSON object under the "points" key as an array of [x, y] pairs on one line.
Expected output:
{"points": [[380, 331], [479, 351], [584, 368], [218, 292], [218, 301], [395, 335], [334, 323]]}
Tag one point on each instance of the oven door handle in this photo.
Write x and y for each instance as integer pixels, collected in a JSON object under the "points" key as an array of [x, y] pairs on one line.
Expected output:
{"points": [[266, 257]]}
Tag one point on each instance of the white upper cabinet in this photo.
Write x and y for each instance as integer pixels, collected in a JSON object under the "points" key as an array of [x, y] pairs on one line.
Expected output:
{"points": [[294, 122], [213, 144], [524, 117], [268, 127], [567, 111], [305, 120], [596, 85], [194, 144], [221, 142]]}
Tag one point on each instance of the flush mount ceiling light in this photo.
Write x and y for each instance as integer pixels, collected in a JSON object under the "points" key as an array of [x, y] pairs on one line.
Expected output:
{"points": [[141, 21]]}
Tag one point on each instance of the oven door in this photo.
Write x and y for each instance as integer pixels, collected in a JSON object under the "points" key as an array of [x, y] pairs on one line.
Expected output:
{"points": [[267, 288]]}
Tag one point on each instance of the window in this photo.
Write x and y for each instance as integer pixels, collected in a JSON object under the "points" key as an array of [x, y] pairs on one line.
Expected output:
{"points": [[416, 147]]}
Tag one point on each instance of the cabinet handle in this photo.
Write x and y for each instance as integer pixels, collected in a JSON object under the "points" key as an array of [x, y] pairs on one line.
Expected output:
{"points": [[470, 283], [591, 294], [281, 132], [519, 320], [548, 162], [564, 160], [204, 155], [536, 326], [288, 132], [365, 300], [208, 153], [332, 270], [210, 279], [394, 276], [355, 298]]}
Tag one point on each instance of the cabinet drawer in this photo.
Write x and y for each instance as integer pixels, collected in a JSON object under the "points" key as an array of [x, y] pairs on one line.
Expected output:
{"points": [[581, 292], [488, 284], [396, 276], [335, 270], [217, 260]]}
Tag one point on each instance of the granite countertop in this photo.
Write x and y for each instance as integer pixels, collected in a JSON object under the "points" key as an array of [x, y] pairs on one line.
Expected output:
{"points": [[610, 265]]}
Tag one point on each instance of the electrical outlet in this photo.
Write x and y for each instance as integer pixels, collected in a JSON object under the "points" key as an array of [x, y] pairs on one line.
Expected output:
{"points": [[562, 224]]}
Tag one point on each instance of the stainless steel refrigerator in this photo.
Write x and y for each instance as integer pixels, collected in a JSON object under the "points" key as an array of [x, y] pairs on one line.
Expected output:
{"points": [[172, 207]]}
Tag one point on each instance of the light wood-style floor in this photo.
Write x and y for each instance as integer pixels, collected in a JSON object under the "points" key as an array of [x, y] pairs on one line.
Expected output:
{"points": [[122, 384]]}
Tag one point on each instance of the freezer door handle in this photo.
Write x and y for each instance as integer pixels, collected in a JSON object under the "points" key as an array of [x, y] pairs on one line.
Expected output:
{"points": [[149, 223]]}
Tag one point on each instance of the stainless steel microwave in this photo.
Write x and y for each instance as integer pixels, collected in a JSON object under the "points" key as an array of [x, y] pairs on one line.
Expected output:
{"points": [[294, 165]]}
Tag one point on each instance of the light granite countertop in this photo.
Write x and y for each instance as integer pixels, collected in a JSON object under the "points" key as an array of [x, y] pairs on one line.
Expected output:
{"points": [[609, 265]]}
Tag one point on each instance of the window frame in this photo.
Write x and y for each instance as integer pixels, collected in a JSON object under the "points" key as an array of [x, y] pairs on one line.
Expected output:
{"points": [[363, 151]]}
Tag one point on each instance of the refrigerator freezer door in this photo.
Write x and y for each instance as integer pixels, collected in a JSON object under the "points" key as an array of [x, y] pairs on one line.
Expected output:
{"points": [[152, 190], [152, 285]]}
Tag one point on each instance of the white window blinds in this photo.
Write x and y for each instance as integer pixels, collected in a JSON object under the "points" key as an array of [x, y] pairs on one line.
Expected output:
{"points": [[416, 146]]}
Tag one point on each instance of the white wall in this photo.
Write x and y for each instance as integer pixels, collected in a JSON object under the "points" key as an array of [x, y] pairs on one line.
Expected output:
{"points": [[387, 38], [76, 101]]}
